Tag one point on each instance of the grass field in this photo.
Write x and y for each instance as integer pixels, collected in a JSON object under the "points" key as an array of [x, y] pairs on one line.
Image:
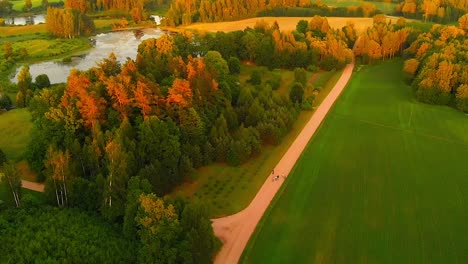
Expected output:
{"points": [[285, 23], [387, 8], [15, 126], [18, 4], [385, 180], [228, 189]]}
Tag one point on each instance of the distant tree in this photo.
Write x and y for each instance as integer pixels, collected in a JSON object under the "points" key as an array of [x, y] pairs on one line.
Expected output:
{"points": [[27, 5], [300, 75], [234, 65], [462, 97], [297, 93], [45, 3], [42, 81], [24, 87], [5, 7], [3, 158], [5, 101], [7, 50], [301, 26], [13, 178], [255, 77]]}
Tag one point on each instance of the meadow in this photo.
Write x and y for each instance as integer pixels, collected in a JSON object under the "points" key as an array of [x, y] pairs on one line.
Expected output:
{"points": [[15, 127], [384, 180], [228, 189], [385, 7], [18, 4]]}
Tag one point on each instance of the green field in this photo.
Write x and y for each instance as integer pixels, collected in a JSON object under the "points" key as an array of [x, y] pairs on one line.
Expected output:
{"points": [[385, 180], [18, 4], [15, 126], [227, 189], [387, 8]]}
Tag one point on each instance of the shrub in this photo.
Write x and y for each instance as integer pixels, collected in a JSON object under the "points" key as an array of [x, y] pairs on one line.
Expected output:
{"points": [[297, 93], [255, 77]]}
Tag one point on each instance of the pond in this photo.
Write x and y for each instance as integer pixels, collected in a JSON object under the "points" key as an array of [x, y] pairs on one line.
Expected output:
{"points": [[123, 44], [26, 20]]}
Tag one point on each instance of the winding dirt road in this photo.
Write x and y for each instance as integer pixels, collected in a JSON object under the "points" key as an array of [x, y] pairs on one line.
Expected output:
{"points": [[235, 230]]}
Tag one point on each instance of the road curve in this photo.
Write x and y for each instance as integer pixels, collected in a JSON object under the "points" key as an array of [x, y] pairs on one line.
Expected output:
{"points": [[235, 230]]}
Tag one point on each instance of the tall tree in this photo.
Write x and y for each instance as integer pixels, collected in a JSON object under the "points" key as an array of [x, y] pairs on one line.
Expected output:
{"points": [[58, 164], [13, 178]]}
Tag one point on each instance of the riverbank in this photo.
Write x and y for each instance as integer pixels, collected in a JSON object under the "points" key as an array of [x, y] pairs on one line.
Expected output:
{"points": [[33, 44]]}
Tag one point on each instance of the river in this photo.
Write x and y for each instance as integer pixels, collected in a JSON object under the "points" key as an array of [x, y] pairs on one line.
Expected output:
{"points": [[123, 44], [27, 20]]}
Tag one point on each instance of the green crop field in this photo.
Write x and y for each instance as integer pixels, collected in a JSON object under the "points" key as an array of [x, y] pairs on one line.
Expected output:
{"points": [[18, 4], [386, 7], [15, 126], [385, 180]]}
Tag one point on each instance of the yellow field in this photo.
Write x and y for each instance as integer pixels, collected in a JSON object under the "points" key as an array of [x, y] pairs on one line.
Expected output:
{"points": [[19, 30], [285, 23]]}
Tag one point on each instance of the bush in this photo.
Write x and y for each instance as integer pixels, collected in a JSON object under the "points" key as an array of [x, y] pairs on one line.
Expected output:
{"points": [[312, 68], [42, 81], [297, 93], [3, 158], [300, 76], [234, 65], [5, 101], [275, 81], [255, 78]]}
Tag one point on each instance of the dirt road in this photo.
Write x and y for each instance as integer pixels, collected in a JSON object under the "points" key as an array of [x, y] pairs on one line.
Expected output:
{"points": [[235, 230], [38, 187]]}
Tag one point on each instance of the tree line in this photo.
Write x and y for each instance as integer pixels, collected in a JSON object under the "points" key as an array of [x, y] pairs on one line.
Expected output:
{"points": [[437, 68], [68, 23], [433, 10]]}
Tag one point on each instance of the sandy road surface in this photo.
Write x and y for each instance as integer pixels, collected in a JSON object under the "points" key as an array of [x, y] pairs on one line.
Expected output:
{"points": [[38, 187], [235, 230]]}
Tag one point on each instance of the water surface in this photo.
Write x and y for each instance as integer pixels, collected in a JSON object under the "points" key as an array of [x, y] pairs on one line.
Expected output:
{"points": [[124, 44]]}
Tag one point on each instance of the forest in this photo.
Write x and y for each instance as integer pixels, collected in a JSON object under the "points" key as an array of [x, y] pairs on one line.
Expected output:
{"points": [[437, 68]]}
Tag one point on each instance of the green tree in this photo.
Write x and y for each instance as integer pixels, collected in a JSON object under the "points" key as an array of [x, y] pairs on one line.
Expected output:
{"points": [[5, 101], [42, 81], [27, 5], [3, 158], [116, 182], [300, 76], [297, 93], [234, 65], [136, 187], [13, 178], [302, 26], [159, 231], [7, 50], [255, 77], [216, 64], [199, 233]]}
